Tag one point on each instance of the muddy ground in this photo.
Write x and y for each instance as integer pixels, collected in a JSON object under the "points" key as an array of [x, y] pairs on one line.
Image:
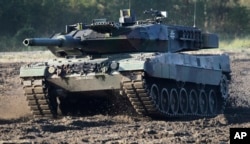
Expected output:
{"points": [[18, 126]]}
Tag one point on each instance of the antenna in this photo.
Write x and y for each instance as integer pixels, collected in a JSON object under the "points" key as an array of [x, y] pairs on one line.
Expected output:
{"points": [[194, 13]]}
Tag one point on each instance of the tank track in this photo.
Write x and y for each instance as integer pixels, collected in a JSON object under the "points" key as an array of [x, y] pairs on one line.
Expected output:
{"points": [[38, 98], [139, 90], [145, 94]]}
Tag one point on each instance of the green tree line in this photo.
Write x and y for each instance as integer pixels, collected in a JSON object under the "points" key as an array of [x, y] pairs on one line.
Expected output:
{"points": [[41, 18]]}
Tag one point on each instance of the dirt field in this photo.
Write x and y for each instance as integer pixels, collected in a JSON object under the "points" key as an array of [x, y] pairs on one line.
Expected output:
{"points": [[18, 126]]}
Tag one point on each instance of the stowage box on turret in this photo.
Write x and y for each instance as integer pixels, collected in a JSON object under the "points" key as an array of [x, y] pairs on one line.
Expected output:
{"points": [[142, 60]]}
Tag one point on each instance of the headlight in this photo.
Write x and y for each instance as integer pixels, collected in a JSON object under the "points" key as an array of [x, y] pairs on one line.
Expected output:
{"points": [[52, 70], [114, 65]]}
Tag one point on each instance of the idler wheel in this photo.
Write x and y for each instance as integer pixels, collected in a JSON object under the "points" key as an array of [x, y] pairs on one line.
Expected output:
{"points": [[212, 102], [174, 101], [165, 100], [183, 101], [203, 102], [154, 93], [193, 102], [224, 86]]}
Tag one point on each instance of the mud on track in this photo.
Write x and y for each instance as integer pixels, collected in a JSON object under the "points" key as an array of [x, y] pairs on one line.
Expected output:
{"points": [[18, 126]]}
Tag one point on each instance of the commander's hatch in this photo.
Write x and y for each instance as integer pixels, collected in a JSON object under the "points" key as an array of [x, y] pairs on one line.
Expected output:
{"points": [[157, 15]]}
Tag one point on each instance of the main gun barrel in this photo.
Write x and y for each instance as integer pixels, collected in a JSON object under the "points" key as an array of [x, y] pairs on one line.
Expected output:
{"points": [[60, 41], [42, 42]]}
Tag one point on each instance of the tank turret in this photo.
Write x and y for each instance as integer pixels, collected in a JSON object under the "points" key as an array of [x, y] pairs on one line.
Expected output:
{"points": [[103, 37]]}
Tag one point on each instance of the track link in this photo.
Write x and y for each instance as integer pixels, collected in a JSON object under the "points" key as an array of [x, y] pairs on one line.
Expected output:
{"points": [[38, 99], [139, 96]]}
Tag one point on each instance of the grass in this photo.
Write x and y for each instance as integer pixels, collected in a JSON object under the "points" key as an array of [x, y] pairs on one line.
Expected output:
{"points": [[238, 43]]}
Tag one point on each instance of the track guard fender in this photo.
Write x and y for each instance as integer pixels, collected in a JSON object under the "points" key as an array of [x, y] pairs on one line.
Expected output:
{"points": [[32, 71]]}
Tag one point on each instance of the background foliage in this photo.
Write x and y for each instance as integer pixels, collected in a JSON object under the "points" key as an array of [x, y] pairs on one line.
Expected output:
{"points": [[41, 18]]}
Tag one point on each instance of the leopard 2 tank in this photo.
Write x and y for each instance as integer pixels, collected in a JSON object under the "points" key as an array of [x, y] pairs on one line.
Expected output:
{"points": [[143, 60]]}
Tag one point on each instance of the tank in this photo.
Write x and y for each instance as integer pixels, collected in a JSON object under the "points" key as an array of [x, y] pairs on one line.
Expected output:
{"points": [[143, 61]]}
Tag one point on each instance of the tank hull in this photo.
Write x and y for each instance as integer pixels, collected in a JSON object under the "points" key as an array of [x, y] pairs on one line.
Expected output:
{"points": [[142, 77], [200, 69]]}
